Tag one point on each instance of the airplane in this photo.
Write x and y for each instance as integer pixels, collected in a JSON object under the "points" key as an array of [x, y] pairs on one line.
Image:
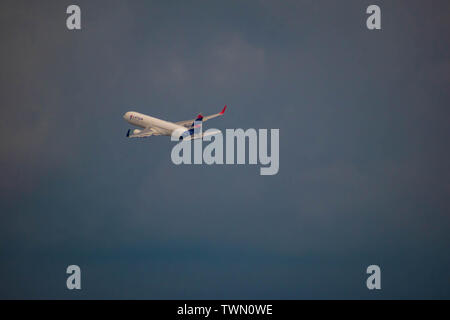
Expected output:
{"points": [[182, 130]]}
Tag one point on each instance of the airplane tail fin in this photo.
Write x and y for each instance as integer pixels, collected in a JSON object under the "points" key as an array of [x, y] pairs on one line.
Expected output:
{"points": [[198, 121], [199, 117], [197, 125]]}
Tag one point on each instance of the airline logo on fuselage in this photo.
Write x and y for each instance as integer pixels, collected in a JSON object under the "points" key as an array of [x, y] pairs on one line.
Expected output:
{"points": [[135, 117]]}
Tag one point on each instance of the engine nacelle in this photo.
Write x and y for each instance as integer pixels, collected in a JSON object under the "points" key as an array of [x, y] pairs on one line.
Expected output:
{"points": [[136, 131], [180, 134]]}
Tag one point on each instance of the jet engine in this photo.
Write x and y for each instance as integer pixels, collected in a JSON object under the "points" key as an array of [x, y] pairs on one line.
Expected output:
{"points": [[180, 134]]}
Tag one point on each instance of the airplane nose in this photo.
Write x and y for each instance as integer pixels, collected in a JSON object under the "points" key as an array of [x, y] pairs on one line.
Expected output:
{"points": [[126, 115]]}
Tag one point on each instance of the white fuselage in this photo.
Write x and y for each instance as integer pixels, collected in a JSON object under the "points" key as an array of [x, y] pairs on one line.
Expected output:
{"points": [[143, 121]]}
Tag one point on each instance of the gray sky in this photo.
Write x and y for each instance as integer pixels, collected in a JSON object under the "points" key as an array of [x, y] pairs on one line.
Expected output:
{"points": [[364, 160]]}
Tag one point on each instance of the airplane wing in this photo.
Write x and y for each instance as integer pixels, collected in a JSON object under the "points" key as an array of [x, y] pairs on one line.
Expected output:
{"points": [[147, 132], [190, 123]]}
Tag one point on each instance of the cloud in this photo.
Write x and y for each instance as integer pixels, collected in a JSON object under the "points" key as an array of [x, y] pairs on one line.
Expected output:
{"points": [[363, 126]]}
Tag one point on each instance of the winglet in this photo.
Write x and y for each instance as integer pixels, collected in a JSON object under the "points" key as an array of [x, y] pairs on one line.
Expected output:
{"points": [[128, 133], [223, 111]]}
